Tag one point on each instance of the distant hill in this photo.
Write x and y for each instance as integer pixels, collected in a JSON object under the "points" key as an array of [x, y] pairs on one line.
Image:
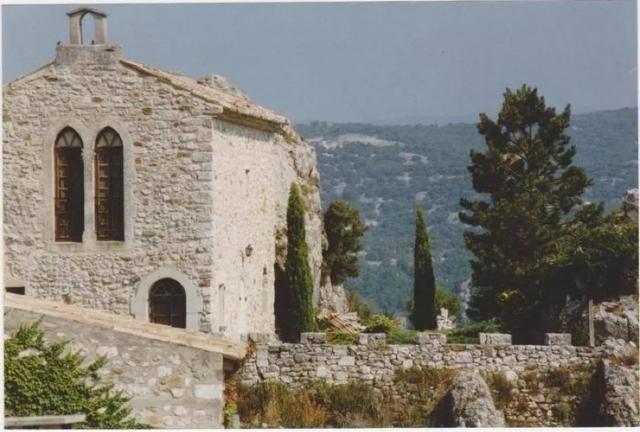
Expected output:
{"points": [[385, 171]]}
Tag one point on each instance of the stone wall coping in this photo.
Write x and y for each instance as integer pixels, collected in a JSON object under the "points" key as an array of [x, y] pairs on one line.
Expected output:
{"points": [[20, 422], [557, 339], [372, 339], [494, 338], [313, 338], [430, 337], [230, 349]]}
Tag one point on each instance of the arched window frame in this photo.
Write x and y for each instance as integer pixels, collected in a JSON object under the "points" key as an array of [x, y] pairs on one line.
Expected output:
{"points": [[68, 186], [109, 193], [168, 303], [88, 132], [139, 301]]}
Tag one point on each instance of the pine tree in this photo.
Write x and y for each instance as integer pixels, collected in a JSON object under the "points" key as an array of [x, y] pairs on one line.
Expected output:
{"points": [[299, 282], [344, 228], [531, 188], [424, 283]]}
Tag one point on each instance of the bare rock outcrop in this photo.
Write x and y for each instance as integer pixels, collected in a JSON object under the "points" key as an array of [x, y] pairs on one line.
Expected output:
{"points": [[615, 389], [617, 319], [333, 298], [469, 404]]}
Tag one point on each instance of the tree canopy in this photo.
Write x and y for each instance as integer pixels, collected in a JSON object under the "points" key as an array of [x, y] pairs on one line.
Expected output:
{"points": [[344, 228], [529, 190]]}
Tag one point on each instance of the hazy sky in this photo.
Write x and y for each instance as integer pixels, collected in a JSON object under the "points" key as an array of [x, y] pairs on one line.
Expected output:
{"points": [[368, 61]]}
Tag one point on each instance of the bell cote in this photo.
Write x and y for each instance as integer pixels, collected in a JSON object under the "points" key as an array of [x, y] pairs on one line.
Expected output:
{"points": [[75, 26], [91, 51]]}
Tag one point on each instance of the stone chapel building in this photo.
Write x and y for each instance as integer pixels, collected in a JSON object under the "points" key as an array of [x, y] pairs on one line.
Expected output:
{"points": [[142, 192]]}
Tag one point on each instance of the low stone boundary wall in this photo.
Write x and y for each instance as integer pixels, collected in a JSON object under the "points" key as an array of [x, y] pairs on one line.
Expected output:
{"points": [[372, 360], [172, 384]]}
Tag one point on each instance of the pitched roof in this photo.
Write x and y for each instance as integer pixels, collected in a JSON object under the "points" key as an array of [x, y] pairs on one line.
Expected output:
{"points": [[229, 103], [234, 105], [84, 10]]}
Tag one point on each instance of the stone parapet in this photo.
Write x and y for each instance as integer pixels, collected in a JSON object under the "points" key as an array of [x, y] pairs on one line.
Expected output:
{"points": [[296, 363], [313, 338], [372, 339], [494, 338], [431, 338], [372, 361], [261, 338], [557, 339]]}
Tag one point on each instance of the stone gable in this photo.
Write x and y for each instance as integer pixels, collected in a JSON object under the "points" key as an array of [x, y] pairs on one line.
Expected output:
{"points": [[206, 178]]}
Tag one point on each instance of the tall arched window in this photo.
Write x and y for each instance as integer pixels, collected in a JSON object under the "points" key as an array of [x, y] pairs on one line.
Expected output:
{"points": [[168, 303], [69, 185], [109, 196]]}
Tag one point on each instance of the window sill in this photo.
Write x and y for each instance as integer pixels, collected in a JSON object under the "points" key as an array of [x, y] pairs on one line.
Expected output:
{"points": [[91, 246]]}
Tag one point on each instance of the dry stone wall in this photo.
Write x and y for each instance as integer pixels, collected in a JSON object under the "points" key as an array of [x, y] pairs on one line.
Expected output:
{"points": [[372, 361], [171, 386]]}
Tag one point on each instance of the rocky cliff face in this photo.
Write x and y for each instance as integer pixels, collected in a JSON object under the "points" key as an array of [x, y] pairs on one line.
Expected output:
{"points": [[615, 387], [325, 296], [616, 319]]}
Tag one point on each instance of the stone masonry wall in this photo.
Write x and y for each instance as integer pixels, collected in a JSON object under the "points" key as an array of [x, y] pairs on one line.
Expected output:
{"points": [[375, 362], [204, 198], [171, 386]]}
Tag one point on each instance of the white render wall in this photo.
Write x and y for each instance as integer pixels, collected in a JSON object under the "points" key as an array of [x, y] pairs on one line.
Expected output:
{"points": [[192, 208], [252, 173]]}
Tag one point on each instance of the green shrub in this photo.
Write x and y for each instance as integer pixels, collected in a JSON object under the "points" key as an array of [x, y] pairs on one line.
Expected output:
{"points": [[380, 324], [402, 337], [447, 299], [468, 333], [357, 305], [335, 337], [49, 380], [230, 409], [323, 324]]}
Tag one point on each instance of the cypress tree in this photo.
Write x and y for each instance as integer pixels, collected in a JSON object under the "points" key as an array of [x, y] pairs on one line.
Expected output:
{"points": [[424, 283], [300, 314]]}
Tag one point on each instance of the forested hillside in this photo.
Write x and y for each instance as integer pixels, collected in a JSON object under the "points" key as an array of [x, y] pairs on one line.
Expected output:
{"points": [[385, 171]]}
